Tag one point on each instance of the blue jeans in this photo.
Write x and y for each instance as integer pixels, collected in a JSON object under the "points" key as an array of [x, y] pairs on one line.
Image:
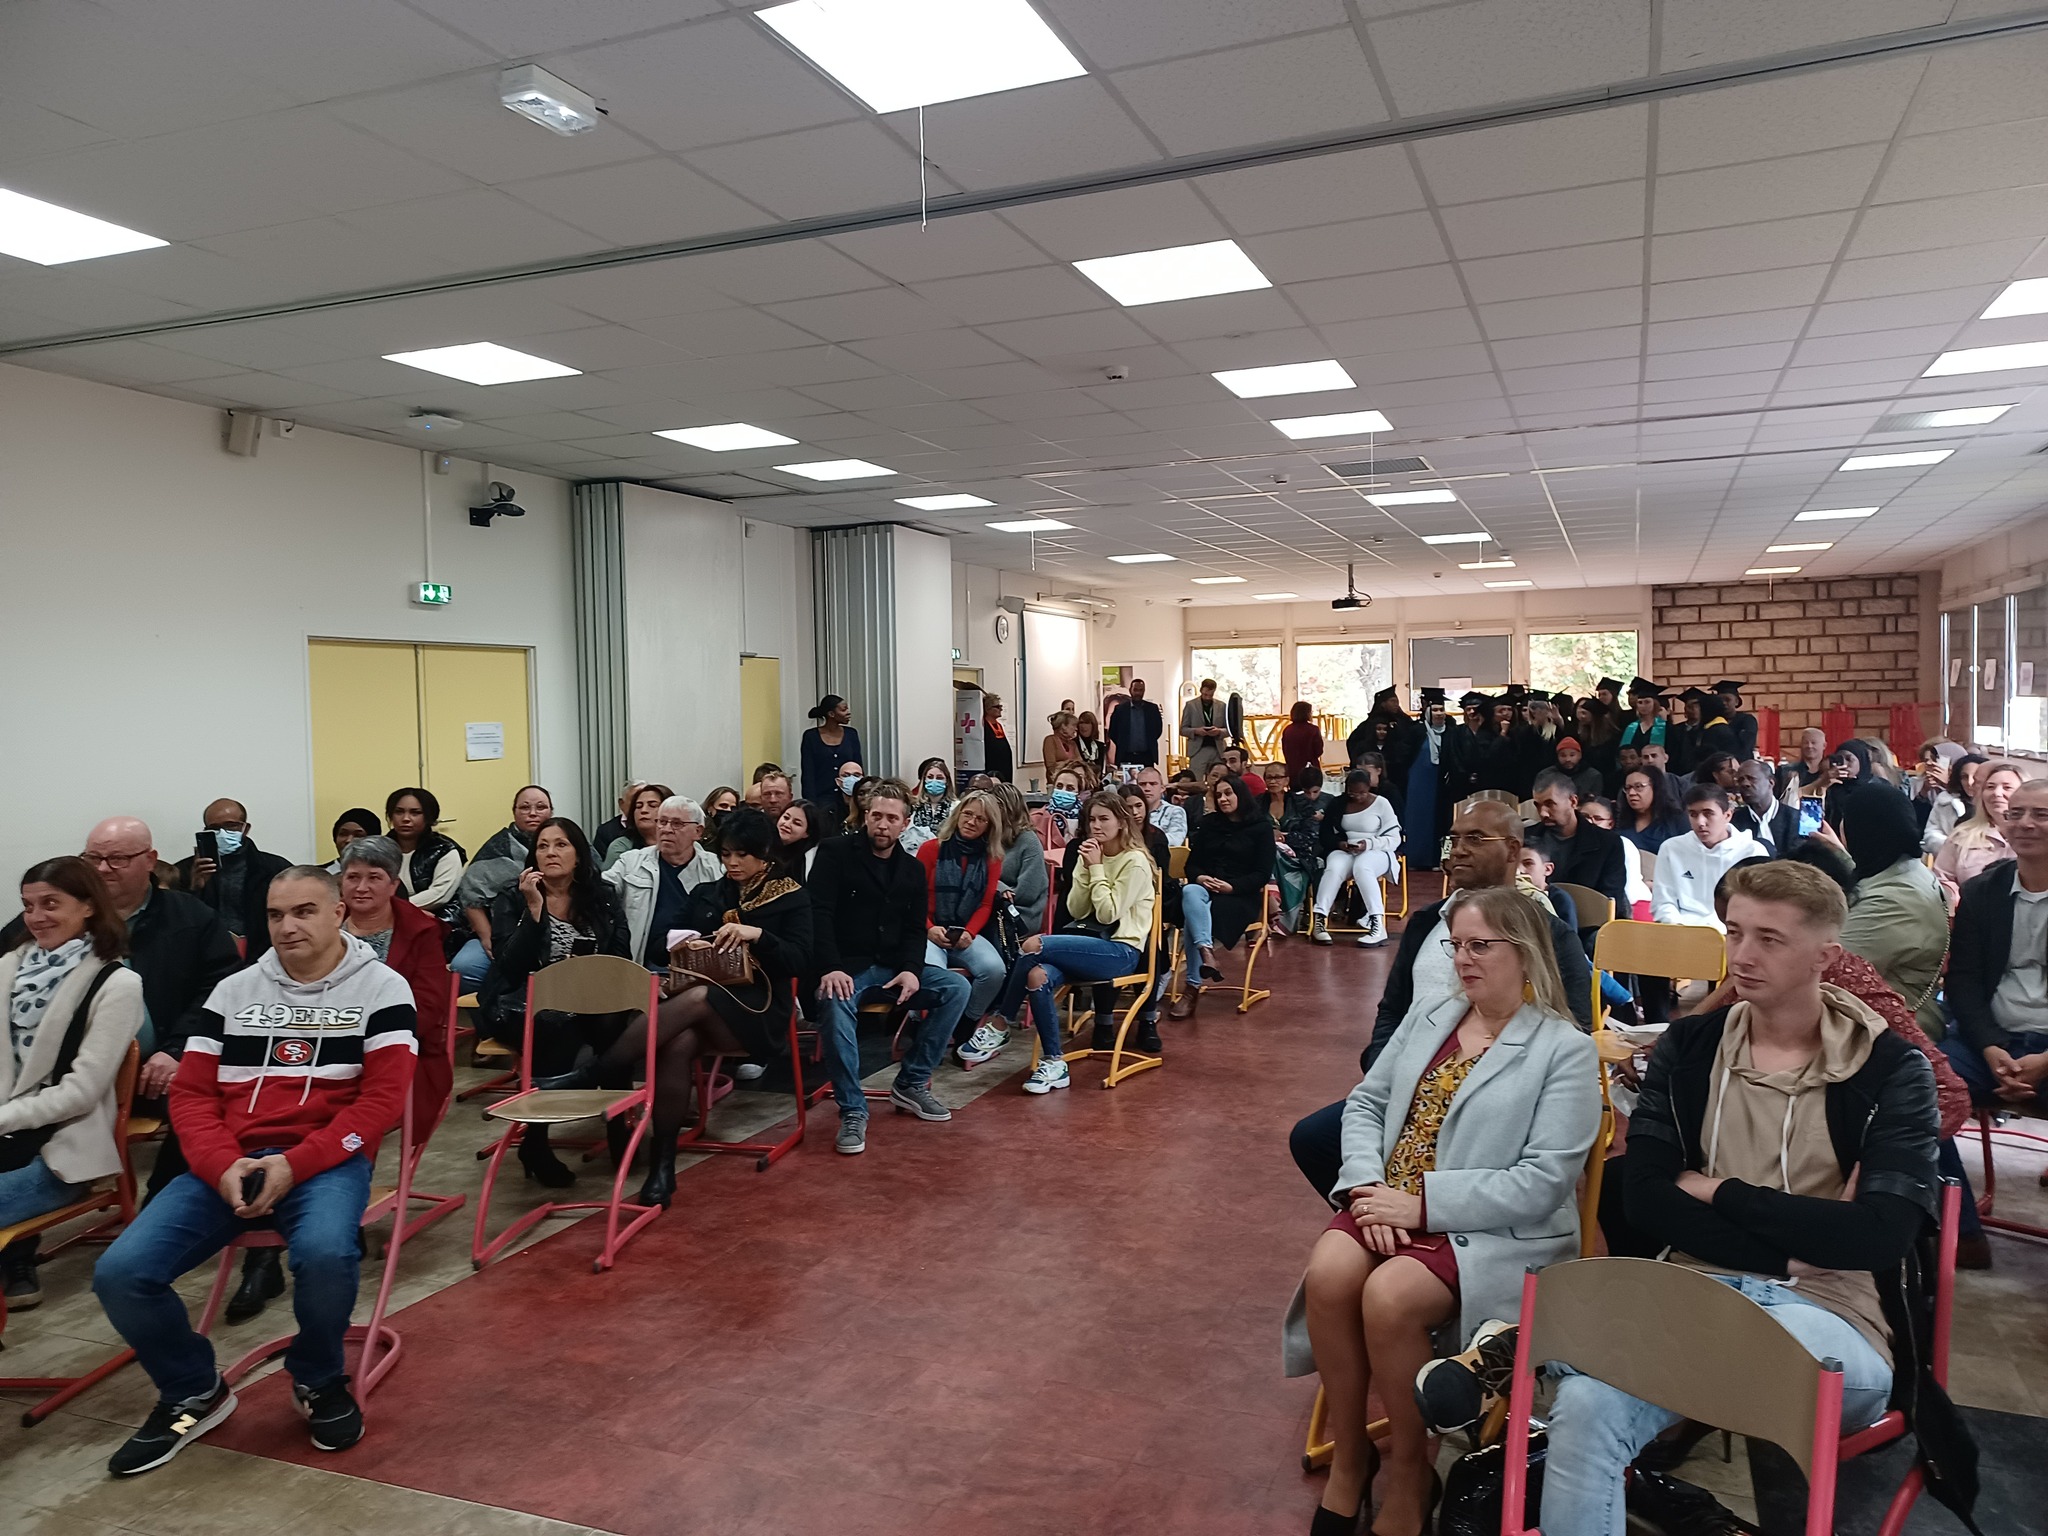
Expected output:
{"points": [[32, 1190], [1197, 927], [985, 974], [1596, 1430], [471, 964], [1969, 1064], [186, 1224], [1063, 957], [941, 996]]}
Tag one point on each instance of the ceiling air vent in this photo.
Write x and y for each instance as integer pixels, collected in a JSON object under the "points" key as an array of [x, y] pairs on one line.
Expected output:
{"points": [[1379, 469]]}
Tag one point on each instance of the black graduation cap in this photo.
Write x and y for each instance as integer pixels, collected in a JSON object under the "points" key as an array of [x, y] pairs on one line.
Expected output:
{"points": [[1386, 696], [1725, 686], [1608, 685], [1696, 695], [1474, 700], [1644, 688], [1515, 694], [1434, 696]]}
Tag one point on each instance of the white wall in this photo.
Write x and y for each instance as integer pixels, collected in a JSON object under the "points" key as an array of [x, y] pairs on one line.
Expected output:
{"points": [[924, 649], [160, 593], [1149, 629], [780, 620]]}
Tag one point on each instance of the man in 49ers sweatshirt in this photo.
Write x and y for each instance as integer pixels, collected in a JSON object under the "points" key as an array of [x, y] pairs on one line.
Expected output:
{"points": [[299, 1067]]}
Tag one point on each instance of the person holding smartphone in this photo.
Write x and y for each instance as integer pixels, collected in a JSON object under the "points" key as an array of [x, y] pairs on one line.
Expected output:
{"points": [[230, 873]]}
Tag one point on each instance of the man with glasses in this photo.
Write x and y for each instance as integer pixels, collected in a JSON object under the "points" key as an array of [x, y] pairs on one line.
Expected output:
{"points": [[1484, 849], [177, 944], [230, 873]]}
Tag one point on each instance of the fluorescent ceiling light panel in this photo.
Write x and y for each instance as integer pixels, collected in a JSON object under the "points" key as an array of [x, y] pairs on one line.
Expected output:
{"points": [[733, 435], [1153, 559], [1217, 581], [1456, 538], [1411, 498], [1497, 585], [1795, 549], [49, 236], [2020, 354], [1177, 272], [1895, 460], [548, 100], [895, 54], [1773, 570], [1342, 425], [1834, 514], [482, 362], [836, 469], [954, 503], [1486, 565], [1964, 416], [2028, 296], [1031, 525], [1284, 379], [1273, 597]]}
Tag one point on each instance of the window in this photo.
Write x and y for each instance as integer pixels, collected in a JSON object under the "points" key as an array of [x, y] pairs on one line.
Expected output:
{"points": [[1458, 662], [1573, 663], [1252, 671], [1341, 679], [2027, 712], [1991, 679], [1959, 674]]}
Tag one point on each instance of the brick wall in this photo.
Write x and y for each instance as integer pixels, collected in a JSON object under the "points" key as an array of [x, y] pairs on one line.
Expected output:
{"points": [[1803, 646]]}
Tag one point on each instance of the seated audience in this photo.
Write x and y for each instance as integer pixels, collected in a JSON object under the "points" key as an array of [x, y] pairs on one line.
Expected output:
{"points": [[1654, 815], [1600, 812], [1238, 762], [1808, 769], [869, 928], [1897, 918], [800, 829], [560, 907], [641, 813], [1690, 866], [1998, 967], [1110, 904], [1788, 1135], [1462, 1152], [1301, 740], [1937, 792], [751, 902], [653, 884], [963, 868], [1760, 813], [1027, 885], [232, 878], [1298, 846], [493, 871], [773, 793], [279, 1123], [614, 827], [1090, 746], [350, 825], [1056, 822], [721, 800], [1849, 767], [72, 1009], [1571, 762], [432, 860], [1230, 859], [1580, 853], [935, 795], [1956, 802], [1169, 818], [180, 948], [1360, 841], [1979, 841], [1059, 748]]}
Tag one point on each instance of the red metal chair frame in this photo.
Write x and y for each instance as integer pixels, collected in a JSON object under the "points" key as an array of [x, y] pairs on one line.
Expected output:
{"points": [[642, 1099], [437, 1206], [1986, 1130], [763, 1152], [1830, 1446]]}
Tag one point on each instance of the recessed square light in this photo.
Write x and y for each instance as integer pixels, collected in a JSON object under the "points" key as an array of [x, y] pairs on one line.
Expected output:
{"points": [[1284, 379], [2028, 296], [954, 503], [895, 54], [2019, 354], [1795, 549], [1834, 514], [836, 469], [1486, 565], [1218, 581], [1456, 538], [1498, 585], [49, 236], [1344, 424], [1895, 460], [728, 438], [1153, 559], [1273, 597], [1773, 570], [482, 362], [1964, 416], [1177, 272], [1030, 525], [1411, 498], [548, 100]]}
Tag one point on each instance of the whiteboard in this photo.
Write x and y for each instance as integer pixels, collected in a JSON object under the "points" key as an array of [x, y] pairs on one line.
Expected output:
{"points": [[1055, 668]]}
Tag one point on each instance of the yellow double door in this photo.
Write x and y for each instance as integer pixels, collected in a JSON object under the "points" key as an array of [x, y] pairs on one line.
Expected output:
{"points": [[386, 716]]}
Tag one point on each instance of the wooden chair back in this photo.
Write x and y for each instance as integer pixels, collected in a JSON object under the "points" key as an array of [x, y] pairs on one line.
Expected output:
{"points": [[1681, 951], [591, 984], [1594, 908], [1177, 862]]}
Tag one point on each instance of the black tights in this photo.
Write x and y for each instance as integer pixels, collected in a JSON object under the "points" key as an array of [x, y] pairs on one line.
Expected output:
{"points": [[686, 1028]]}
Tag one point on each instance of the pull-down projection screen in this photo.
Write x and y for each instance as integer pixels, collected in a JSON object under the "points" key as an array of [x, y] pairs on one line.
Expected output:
{"points": [[1055, 668]]}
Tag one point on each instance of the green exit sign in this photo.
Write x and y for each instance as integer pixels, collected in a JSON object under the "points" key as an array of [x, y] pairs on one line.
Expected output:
{"points": [[433, 594]]}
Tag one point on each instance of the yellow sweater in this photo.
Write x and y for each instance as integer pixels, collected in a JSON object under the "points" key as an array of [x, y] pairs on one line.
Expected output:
{"points": [[1118, 890]]}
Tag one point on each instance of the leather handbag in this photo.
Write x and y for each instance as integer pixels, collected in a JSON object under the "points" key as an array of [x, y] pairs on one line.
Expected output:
{"points": [[702, 959]]}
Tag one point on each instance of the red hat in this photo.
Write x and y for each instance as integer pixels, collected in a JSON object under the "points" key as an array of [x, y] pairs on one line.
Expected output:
{"points": [[1572, 742]]}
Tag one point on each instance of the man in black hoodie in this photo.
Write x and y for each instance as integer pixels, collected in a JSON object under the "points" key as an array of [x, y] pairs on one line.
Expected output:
{"points": [[1784, 1145]]}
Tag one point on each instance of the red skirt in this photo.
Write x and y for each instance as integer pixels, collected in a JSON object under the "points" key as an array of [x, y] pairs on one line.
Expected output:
{"points": [[1434, 1251]]}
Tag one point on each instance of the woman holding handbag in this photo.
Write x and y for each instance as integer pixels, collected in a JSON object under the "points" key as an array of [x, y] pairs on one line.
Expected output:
{"points": [[728, 987], [72, 1009]]}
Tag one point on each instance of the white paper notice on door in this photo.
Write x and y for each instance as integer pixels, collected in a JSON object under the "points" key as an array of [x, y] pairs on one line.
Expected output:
{"points": [[484, 740]]}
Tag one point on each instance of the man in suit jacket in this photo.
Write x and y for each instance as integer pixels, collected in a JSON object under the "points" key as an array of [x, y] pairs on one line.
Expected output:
{"points": [[1762, 814], [1134, 730]]}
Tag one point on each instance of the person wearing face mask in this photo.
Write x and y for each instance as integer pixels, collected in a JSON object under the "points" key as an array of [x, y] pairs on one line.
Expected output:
{"points": [[829, 748], [1055, 824], [493, 871], [843, 798], [232, 877], [935, 800]]}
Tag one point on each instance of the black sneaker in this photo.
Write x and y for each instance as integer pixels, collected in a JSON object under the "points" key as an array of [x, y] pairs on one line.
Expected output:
{"points": [[171, 1427], [1104, 1038], [1148, 1036], [262, 1281], [332, 1415], [1679, 1509], [18, 1263]]}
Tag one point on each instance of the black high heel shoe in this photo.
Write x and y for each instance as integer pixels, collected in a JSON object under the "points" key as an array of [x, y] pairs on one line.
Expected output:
{"points": [[538, 1159], [660, 1187]]}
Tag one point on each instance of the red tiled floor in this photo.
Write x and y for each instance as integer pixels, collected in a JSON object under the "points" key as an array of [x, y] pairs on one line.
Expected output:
{"points": [[1053, 1315]]}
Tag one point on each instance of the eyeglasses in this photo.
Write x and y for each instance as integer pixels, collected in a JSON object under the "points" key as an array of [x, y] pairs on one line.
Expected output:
{"points": [[1478, 949], [2037, 814], [114, 861], [1470, 839]]}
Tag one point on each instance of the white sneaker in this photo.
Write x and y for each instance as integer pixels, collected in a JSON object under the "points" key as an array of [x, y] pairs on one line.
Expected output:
{"points": [[986, 1040], [1374, 934], [1046, 1076], [749, 1071]]}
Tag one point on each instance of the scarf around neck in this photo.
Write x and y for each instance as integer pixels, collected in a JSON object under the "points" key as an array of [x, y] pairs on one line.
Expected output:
{"points": [[41, 973]]}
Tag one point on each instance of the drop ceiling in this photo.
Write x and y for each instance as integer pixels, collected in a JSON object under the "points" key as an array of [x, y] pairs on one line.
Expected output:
{"points": [[1636, 340]]}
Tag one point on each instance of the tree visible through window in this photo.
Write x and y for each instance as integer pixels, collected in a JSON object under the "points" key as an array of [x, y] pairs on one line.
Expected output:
{"points": [[1573, 663], [1340, 679], [1250, 670]]}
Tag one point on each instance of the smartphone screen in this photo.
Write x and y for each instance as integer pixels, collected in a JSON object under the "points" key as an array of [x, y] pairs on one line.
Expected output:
{"points": [[206, 846], [1809, 817]]}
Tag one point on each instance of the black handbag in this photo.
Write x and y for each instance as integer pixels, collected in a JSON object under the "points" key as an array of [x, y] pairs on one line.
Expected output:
{"points": [[19, 1148], [1472, 1493]]}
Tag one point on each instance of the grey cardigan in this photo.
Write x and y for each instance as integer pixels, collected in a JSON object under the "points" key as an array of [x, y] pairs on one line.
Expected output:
{"points": [[1507, 1159], [1024, 872]]}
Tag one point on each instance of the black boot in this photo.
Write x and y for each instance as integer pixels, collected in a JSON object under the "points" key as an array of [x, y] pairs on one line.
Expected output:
{"points": [[661, 1169], [262, 1279], [1105, 1034], [616, 1132], [1148, 1036], [584, 1076], [539, 1160], [18, 1261]]}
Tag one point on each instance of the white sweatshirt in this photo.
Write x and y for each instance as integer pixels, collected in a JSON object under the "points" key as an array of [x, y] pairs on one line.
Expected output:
{"points": [[1687, 872], [1376, 826]]}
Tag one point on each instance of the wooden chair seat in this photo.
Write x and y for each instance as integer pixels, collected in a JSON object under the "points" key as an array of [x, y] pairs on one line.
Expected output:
{"points": [[557, 1106]]}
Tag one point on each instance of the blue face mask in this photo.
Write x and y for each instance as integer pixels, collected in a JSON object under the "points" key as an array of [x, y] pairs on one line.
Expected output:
{"points": [[935, 786], [1064, 799], [847, 782], [227, 842]]}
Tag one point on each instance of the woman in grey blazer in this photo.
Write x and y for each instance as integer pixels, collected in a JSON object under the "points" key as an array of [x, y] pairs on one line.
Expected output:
{"points": [[1462, 1149]]}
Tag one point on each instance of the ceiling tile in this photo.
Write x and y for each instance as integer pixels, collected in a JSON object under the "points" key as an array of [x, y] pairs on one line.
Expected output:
{"points": [[1316, 83], [1993, 264], [1766, 189], [462, 125], [1572, 312], [1699, 32], [1934, 222], [1784, 288], [1139, 31], [1058, 335], [1329, 189], [928, 350], [959, 245], [1749, 247], [518, 28], [819, 171], [1539, 273], [1546, 220], [1043, 133], [1507, 50], [1575, 151], [1020, 295], [1344, 250], [1967, 160], [1824, 109], [726, 332], [1378, 295]]}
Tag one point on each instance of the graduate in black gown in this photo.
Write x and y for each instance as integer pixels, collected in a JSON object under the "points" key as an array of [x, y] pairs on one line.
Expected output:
{"points": [[1729, 696]]}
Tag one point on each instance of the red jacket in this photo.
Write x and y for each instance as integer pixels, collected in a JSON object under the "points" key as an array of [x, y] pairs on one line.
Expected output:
{"points": [[418, 953], [928, 856]]}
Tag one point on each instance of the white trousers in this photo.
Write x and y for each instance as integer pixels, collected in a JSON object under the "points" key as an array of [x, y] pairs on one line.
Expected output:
{"points": [[1363, 868]]}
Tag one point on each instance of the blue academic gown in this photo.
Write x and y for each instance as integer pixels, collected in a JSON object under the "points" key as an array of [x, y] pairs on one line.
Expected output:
{"points": [[1418, 814]]}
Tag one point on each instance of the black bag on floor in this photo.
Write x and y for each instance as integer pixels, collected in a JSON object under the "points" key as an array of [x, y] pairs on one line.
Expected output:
{"points": [[1472, 1493]]}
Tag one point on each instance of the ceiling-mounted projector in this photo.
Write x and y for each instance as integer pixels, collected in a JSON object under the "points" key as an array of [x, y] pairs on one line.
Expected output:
{"points": [[502, 505], [1351, 598]]}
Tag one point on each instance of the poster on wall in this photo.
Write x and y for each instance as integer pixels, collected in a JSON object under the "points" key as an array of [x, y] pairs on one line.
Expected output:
{"points": [[483, 740], [970, 751]]}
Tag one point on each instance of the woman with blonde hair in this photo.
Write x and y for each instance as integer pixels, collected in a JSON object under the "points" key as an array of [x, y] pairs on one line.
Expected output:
{"points": [[1978, 842], [1059, 748], [1460, 1167], [963, 867], [1089, 744]]}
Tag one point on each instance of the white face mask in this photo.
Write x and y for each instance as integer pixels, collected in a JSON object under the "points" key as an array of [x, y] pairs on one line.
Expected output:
{"points": [[227, 842]]}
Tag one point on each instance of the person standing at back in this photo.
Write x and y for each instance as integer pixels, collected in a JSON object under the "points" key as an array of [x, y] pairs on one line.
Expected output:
{"points": [[1205, 726], [1134, 729], [995, 742], [827, 747], [1301, 740]]}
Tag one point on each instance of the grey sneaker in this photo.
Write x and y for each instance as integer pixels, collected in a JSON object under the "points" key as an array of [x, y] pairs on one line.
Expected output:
{"points": [[916, 1099], [853, 1134]]}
